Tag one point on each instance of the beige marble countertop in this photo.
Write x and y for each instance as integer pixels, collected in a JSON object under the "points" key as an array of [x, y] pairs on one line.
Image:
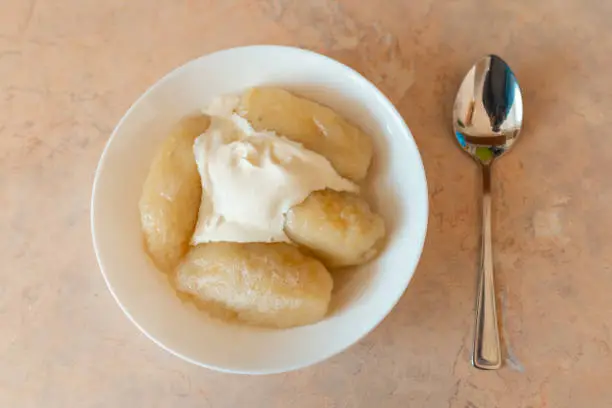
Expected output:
{"points": [[70, 68]]}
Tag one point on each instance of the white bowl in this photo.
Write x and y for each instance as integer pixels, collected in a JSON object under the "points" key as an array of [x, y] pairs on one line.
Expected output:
{"points": [[397, 188]]}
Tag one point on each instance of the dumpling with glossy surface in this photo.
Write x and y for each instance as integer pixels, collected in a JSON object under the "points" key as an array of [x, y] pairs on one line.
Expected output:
{"points": [[338, 227], [272, 285], [171, 195], [315, 126]]}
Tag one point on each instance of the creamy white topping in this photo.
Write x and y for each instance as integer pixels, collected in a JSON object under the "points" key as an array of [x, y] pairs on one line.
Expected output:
{"points": [[250, 179]]}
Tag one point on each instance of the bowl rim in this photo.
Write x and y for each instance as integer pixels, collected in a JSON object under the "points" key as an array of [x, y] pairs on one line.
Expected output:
{"points": [[421, 225]]}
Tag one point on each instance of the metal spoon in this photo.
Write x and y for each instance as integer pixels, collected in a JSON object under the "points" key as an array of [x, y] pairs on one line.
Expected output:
{"points": [[487, 119]]}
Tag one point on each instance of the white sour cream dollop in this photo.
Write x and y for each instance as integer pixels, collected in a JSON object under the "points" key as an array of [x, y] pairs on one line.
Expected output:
{"points": [[250, 179]]}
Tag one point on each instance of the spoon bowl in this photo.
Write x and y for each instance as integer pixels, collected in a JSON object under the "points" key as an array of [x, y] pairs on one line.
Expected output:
{"points": [[487, 120], [488, 111]]}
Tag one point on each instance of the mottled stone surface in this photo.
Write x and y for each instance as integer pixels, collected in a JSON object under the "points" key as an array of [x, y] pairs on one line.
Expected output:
{"points": [[70, 68]]}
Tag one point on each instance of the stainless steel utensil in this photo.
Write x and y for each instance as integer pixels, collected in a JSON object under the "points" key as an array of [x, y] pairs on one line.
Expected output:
{"points": [[487, 119]]}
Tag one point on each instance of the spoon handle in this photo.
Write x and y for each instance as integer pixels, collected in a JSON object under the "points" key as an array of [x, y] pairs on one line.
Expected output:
{"points": [[487, 353]]}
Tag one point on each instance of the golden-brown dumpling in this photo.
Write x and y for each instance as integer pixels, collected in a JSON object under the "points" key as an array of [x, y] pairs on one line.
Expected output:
{"points": [[262, 284], [171, 195], [315, 126], [338, 227]]}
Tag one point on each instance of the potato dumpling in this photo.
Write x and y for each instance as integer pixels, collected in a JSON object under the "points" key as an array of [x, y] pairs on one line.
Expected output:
{"points": [[171, 195], [339, 228], [315, 126], [263, 284]]}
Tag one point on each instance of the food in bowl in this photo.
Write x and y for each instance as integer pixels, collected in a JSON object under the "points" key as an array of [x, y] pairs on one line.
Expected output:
{"points": [[277, 189], [265, 284], [171, 195], [338, 227], [251, 178], [317, 127]]}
